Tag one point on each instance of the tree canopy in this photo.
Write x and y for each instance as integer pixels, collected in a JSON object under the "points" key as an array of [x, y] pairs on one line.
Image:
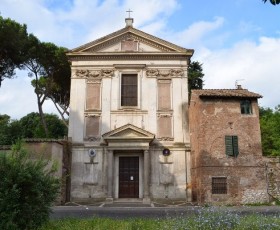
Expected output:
{"points": [[53, 81], [29, 126], [14, 38], [273, 2], [46, 62], [195, 76], [270, 130]]}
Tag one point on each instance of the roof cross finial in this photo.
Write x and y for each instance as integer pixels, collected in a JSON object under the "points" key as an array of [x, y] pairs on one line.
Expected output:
{"points": [[129, 11]]}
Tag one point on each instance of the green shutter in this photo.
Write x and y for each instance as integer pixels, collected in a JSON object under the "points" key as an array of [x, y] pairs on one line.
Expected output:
{"points": [[229, 149], [231, 143], [235, 145]]}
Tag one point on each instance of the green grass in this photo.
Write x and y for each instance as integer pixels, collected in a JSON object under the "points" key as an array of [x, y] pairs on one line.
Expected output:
{"points": [[204, 220]]}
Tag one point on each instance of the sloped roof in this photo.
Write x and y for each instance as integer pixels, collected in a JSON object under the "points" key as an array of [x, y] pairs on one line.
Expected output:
{"points": [[243, 93], [132, 31]]}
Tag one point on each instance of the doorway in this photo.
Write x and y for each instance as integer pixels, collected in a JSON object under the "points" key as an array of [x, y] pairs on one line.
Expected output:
{"points": [[129, 177]]}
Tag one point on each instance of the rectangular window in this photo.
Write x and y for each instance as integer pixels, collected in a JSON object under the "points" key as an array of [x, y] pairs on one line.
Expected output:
{"points": [[129, 90], [219, 185], [231, 143], [246, 107]]}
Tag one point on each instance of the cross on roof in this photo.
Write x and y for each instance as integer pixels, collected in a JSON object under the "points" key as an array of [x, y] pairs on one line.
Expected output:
{"points": [[129, 11]]}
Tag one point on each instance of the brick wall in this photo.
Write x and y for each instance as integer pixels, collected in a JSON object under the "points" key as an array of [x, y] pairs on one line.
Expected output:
{"points": [[211, 119]]}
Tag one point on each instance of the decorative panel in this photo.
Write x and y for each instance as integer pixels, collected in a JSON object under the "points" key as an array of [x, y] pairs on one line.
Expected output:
{"points": [[93, 96], [164, 96], [164, 126], [92, 126], [129, 45]]}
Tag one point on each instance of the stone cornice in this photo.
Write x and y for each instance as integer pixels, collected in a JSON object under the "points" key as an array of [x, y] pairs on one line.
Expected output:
{"points": [[126, 56]]}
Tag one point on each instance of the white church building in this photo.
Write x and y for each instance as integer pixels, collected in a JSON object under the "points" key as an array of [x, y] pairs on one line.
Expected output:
{"points": [[128, 121]]}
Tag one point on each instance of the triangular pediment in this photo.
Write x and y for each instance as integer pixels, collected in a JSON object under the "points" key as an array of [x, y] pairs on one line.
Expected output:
{"points": [[128, 132], [128, 40]]}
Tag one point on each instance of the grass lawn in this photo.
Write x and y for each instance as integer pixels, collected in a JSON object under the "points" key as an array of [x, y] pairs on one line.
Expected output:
{"points": [[203, 220]]}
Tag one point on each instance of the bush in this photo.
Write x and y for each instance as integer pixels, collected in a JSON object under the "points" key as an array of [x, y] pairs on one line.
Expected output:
{"points": [[27, 190]]}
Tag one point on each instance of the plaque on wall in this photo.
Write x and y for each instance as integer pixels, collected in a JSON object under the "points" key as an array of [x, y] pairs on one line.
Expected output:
{"points": [[129, 45]]}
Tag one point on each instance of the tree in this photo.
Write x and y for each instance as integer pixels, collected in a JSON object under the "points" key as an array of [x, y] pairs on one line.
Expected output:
{"points": [[10, 130], [273, 2], [35, 64], [195, 76], [55, 83], [270, 131], [13, 37], [32, 127], [27, 190]]}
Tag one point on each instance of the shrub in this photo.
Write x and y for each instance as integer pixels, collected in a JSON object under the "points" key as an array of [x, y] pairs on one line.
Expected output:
{"points": [[27, 190]]}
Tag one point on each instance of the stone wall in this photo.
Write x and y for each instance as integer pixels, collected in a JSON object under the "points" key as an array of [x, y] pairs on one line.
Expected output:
{"points": [[58, 152], [273, 177]]}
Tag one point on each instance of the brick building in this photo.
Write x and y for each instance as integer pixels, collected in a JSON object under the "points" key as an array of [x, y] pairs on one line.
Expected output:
{"points": [[227, 165]]}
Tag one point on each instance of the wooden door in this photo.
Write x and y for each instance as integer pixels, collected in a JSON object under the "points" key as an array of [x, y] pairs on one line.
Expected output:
{"points": [[128, 177]]}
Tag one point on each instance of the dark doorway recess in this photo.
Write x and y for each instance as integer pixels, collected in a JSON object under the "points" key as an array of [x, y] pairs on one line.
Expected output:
{"points": [[129, 177]]}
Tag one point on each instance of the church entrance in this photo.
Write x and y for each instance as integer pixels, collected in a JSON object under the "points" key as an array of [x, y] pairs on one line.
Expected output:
{"points": [[129, 177]]}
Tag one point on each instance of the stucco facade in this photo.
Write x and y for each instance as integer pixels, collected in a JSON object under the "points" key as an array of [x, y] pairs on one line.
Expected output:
{"points": [[106, 132]]}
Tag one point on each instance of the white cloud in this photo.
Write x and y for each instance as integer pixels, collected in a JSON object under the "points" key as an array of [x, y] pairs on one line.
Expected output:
{"points": [[17, 97], [72, 26], [194, 36], [256, 63], [85, 20]]}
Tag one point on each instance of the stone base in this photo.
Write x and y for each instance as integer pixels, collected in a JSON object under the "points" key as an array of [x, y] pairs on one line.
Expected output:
{"points": [[109, 200], [146, 201]]}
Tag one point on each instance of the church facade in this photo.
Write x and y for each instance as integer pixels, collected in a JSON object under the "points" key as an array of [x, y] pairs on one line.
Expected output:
{"points": [[129, 121]]}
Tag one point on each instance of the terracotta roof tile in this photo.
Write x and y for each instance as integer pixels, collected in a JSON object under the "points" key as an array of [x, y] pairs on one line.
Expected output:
{"points": [[226, 93]]}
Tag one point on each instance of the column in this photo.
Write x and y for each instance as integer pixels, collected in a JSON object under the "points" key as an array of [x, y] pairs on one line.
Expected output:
{"points": [[110, 175], [146, 177]]}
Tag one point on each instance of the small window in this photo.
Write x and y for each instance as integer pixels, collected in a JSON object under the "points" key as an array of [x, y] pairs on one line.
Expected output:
{"points": [[219, 185], [231, 143], [246, 107], [129, 90]]}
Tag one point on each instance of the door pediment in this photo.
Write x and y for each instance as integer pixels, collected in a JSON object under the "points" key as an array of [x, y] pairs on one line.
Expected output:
{"points": [[127, 135]]}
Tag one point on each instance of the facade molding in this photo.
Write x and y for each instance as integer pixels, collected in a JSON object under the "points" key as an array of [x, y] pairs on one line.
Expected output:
{"points": [[164, 73]]}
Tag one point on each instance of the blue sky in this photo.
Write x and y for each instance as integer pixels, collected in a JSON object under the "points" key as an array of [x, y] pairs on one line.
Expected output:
{"points": [[236, 39]]}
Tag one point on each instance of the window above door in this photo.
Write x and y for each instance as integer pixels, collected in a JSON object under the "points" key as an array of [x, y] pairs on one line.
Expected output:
{"points": [[129, 90]]}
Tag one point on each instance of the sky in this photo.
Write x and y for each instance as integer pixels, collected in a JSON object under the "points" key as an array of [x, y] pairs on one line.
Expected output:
{"points": [[236, 40]]}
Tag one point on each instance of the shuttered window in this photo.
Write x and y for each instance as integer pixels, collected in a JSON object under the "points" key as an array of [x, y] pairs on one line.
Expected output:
{"points": [[219, 185], [231, 143], [129, 90]]}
